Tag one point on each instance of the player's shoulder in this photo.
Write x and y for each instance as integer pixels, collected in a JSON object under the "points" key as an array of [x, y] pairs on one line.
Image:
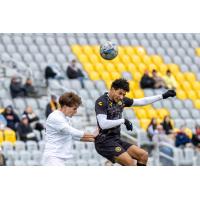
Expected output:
{"points": [[55, 116], [102, 98]]}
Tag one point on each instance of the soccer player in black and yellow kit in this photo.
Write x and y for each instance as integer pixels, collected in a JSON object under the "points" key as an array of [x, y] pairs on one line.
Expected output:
{"points": [[109, 108]]}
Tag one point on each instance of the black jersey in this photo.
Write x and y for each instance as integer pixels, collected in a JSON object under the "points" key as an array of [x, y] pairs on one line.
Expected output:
{"points": [[113, 110]]}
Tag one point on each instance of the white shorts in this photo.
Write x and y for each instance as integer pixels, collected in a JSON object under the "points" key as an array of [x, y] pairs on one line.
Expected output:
{"points": [[53, 161]]}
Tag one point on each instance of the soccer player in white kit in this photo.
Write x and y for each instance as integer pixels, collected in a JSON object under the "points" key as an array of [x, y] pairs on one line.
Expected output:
{"points": [[60, 134]]}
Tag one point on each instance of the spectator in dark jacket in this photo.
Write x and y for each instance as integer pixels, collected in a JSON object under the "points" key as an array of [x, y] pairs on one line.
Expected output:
{"points": [[24, 130], [73, 72], [11, 117], [167, 125], [51, 106], [159, 81], [196, 137], [30, 90], [147, 81], [16, 87], [181, 138], [33, 119]]}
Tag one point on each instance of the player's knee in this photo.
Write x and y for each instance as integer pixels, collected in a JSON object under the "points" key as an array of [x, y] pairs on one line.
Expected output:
{"points": [[144, 156]]}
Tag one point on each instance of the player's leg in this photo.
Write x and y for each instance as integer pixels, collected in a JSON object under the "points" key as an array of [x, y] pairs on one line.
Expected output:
{"points": [[125, 159], [139, 154]]}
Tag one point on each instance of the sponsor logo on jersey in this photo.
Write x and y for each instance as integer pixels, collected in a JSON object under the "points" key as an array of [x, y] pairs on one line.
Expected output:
{"points": [[100, 103], [118, 149]]}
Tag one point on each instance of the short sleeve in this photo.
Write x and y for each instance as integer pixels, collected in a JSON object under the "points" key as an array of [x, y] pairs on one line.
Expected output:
{"points": [[100, 107], [128, 102]]}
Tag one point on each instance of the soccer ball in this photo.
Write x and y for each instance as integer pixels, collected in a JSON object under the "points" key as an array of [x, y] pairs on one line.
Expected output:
{"points": [[108, 50]]}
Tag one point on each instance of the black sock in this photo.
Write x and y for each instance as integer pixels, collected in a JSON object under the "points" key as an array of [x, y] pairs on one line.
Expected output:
{"points": [[140, 164]]}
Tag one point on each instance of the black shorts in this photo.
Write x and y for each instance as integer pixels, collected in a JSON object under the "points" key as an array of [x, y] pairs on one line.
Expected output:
{"points": [[111, 148]]}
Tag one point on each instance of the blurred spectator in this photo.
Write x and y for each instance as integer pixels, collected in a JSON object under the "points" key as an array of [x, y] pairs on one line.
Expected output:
{"points": [[167, 125], [11, 117], [181, 138], [51, 106], [147, 81], [51, 72], [30, 91], [159, 82], [3, 122], [161, 136], [33, 119], [151, 130], [16, 87], [73, 72], [2, 158], [196, 137], [170, 80], [24, 130]]}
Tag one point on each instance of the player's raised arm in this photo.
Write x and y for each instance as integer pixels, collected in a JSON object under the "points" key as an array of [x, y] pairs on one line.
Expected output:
{"points": [[149, 100]]}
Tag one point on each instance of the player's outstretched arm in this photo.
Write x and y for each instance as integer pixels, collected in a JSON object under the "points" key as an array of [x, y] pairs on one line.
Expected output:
{"points": [[89, 137], [149, 100]]}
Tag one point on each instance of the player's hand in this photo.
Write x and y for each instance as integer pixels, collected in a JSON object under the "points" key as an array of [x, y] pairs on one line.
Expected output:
{"points": [[169, 93], [128, 125]]}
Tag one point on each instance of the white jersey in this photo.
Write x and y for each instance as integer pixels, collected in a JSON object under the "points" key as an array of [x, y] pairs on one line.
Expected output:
{"points": [[59, 135]]}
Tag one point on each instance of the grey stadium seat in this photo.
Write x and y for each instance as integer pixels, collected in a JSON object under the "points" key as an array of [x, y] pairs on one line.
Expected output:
{"points": [[19, 146], [184, 113], [24, 156], [195, 113], [190, 123], [36, 156], [19, 163], [174, 114], [31, 146]]}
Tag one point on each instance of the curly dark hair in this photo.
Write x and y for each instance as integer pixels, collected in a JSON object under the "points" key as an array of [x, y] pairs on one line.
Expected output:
{"points": [[70, 99], [120, 84]]}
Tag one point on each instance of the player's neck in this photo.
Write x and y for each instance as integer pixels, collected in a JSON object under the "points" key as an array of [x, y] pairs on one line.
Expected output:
{"points": [[110, 96]]}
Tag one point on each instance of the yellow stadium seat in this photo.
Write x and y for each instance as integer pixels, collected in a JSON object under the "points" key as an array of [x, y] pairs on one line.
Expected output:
{"points": [[197, 103], [88, 66], [99, 67], [115, 75], [135, 59], [173, 68], [198, 93], [188, 132], [189, 76], [105, 75], [93, 58], [83, 58], [142, 67], [1, 137], [141, 113], [136, 76], [121, 67], [132, 67], [146, 60], [87, 49], [129, 94], [179, 77], [140, 51], [157, 60], [138, 93], [144, 123], [198, 51], [191, 94], [151, 67], [76, 49], [180, 94], [162, 68], [151, 113], [129, 50], [186, 85], [125, 59], [133, 85], [196, 86], [162, 112], [94, 76], [10, 135], [121, 50], [108, 83], [110, 67]]}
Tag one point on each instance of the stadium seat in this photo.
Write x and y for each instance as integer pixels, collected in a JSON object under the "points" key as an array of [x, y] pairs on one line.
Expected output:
{"points": [[10, 136], [31, 146]]}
